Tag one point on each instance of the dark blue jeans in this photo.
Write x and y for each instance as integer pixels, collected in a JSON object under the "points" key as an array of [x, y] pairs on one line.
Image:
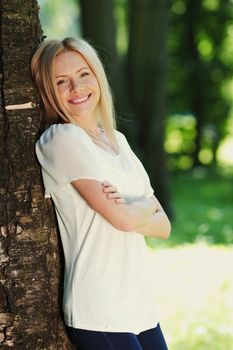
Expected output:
{"points": [[151, 339]]}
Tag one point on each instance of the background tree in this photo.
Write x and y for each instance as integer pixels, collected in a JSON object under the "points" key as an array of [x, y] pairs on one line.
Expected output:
{"points": [[147, 83], [30, 316]]}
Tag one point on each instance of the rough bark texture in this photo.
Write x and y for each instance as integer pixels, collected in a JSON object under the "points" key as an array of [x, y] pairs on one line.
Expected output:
{"points": [[30, 312], [147, 74]]}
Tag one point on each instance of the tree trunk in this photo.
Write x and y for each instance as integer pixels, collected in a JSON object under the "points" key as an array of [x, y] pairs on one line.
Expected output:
{"points": [[147, 73], [99, 27], [30, 312]]}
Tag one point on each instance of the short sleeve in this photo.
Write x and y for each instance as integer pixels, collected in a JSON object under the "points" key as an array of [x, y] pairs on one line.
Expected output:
{"points": [[148, 189], [66, 153]]}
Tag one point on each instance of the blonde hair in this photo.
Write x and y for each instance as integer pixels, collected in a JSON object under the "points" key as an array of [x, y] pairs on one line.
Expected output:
{"points": [[42, 68]]}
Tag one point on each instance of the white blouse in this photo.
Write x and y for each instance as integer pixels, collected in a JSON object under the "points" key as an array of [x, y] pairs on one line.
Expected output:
{"points": [[107, 280]]}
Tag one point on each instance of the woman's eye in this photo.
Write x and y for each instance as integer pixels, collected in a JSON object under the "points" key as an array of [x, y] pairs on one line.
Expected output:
{"points": [[62, 81], [84, 74]]}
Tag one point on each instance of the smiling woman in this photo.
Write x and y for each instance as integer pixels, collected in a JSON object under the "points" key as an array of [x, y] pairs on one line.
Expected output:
{"points": [[104, 203]]}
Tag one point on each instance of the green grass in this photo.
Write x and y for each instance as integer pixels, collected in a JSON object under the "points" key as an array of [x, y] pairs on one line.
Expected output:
{"points": [[202, 203], [195, 296]]}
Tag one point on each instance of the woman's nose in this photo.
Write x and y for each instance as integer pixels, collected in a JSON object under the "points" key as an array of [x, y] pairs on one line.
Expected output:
{"points": [[74, 84]]}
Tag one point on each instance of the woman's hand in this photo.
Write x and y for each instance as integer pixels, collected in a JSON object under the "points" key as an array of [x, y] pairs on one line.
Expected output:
{"points": [[112, 193]]}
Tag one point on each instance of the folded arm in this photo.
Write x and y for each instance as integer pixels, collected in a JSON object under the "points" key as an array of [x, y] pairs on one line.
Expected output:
{"points": [[123, 216], [158, 224]]}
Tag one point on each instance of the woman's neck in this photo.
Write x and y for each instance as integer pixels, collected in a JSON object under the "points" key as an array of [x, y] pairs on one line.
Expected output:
{"points": [[89, 124]]}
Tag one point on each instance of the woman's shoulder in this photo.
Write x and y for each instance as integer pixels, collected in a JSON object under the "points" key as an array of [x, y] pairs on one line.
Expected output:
{"points": [[61, 132], [120, 136], [122, 139]]}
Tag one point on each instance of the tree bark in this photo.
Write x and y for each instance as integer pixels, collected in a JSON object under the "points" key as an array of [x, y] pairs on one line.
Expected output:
{"points": [[30, 312], [147, 75]]}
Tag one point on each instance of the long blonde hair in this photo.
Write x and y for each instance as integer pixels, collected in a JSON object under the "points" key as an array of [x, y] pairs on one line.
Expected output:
{"points": [[42, 68]]}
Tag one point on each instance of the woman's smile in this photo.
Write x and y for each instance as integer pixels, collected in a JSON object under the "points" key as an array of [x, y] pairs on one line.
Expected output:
{"points": [[76, 100]]}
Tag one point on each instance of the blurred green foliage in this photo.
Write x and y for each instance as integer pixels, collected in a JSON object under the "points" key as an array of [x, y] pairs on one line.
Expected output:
{"points": [[202, 208], [59, 18], [200, 70], [121, 18], [180, 143]]}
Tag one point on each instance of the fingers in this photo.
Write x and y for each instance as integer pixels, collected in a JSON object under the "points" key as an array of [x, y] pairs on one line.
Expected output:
{"points": [[111, 193], [108, 188], [120, 200], [106, 183]]}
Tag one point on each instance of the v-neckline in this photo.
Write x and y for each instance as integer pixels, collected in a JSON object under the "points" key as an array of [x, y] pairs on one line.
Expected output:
{"points": [[116, 155]]}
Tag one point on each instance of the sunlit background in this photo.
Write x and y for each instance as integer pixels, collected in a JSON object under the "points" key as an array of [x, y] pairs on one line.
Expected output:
{"points": [[194, 267]]}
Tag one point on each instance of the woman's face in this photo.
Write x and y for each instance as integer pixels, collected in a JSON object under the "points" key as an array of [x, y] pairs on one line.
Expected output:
{"points": [[77, 85]]}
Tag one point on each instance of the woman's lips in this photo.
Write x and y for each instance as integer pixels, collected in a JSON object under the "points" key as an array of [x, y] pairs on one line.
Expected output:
{"points": [[79, 99]]}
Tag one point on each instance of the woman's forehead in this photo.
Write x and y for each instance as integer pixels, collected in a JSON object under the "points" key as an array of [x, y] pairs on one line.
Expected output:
{"points": [[69, 61]]}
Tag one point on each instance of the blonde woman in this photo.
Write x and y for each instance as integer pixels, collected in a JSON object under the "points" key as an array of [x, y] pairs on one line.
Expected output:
{"points": [[103, 200]]}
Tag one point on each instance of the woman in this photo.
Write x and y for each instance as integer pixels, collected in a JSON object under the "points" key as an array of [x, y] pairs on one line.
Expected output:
{"points": [[103, 201]]}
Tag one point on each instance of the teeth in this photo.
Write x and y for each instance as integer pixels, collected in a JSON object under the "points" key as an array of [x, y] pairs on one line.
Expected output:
{"points": [[79, 100]]}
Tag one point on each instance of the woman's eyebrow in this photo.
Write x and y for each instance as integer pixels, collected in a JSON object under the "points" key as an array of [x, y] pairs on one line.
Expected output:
{"points": [[65, 75]]}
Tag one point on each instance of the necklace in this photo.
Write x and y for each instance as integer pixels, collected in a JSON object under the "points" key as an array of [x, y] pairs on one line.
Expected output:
{"points": [[102, 140]]}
